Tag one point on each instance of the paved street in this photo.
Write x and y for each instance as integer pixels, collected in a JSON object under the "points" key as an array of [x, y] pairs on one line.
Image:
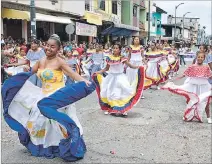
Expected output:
{"points": [[153, 133]]}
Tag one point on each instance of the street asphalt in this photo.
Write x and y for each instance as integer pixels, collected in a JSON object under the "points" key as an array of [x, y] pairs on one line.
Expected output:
{"points": [[153, 132]]}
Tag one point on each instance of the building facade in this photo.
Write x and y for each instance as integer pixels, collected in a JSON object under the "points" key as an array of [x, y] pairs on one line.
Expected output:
{"points": [[157, 21], [142, 21], [51, 17], [169, 33], [152, 27], [188, 23]]}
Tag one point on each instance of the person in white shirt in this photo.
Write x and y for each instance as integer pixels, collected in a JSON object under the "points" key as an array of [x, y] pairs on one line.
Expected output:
{"points": [[181, 53]]}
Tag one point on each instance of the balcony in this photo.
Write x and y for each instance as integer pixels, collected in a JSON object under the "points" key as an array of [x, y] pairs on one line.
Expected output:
{"points": [[142, 4]]}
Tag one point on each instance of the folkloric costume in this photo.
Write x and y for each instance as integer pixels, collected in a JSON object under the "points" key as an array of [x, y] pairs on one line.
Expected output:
{"points": [[45, 118], [153, 73], [116, 94], [167, 48], [196, 89], [106, 53], [136, 59], [87, 66], [97, 60], [173, 61], [164, 66]]}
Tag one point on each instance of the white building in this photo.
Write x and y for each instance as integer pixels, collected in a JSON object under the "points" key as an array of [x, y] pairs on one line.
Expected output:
{"points": [[189, 23], [180, 33]]}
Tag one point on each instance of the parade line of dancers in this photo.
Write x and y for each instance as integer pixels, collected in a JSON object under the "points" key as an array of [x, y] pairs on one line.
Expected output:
{"points": [[39, 97]]}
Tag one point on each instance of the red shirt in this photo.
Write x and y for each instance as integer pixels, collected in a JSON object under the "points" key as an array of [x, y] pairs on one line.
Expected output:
{"points": [[80, 51]]}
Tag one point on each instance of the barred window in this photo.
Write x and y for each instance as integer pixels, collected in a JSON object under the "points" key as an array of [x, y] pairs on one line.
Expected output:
{"points": [[101, 4], [135, 11], [87, 5], [114, 7]]}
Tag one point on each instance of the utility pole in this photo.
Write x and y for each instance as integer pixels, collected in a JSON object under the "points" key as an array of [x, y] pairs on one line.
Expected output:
{"points": [[175, 24], [183, 22], [33, 19], [149, 21]]}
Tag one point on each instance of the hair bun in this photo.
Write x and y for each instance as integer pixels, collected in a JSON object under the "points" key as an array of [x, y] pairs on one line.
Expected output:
{"points": [[55, 36]]}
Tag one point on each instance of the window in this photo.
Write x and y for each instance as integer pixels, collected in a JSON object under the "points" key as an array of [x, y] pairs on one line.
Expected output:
{"points": [[135, 11], [114, 7], [87, 5], [147, 16], [153, 21], [101, 4]]}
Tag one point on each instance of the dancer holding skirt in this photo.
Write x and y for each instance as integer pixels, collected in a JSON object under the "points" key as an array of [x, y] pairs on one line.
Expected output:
{"points": [[45, 118], [196, 89], [116, 94]]}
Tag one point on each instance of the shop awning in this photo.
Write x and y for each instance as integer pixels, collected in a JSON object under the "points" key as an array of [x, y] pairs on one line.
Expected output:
{"points": [[25, 15], [54, 19], [15, 14], [120, 30], [128, 27], [93, 18]]}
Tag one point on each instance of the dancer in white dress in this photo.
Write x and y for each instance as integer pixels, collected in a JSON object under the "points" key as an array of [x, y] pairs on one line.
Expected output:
{"points": [[116, 94], [196, 89], [153, 73], [163, 63], [136, 57], [86, 66]]}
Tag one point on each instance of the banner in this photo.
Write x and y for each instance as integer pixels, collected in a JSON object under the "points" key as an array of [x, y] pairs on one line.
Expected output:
{"points": [[86, 29]]}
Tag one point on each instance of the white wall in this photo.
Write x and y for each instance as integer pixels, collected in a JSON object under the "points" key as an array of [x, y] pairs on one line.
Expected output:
{"points": [[177, 32], [186, 33], [76, 7], [119, 9]]}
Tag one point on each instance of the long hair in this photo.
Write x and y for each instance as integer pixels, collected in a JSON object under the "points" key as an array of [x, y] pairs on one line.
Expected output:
{"points": [[134, 40]]}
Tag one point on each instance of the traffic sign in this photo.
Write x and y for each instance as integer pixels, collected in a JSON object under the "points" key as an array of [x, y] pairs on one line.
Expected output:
{"points": [[70, 29]]}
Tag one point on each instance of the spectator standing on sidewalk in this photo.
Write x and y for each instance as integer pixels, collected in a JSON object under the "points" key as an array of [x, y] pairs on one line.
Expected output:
{"points": [[181, 53]]}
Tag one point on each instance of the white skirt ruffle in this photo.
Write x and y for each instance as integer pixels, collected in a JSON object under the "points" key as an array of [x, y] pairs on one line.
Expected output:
{"points": [[42, 130], [197, 92]]}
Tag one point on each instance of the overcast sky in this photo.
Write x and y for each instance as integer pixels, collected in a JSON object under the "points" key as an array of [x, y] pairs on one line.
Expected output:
{"points": [[201, 9]]}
